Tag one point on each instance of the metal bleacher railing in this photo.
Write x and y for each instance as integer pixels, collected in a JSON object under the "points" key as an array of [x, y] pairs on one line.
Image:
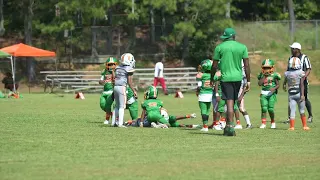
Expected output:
{"points": [[73, 81]]}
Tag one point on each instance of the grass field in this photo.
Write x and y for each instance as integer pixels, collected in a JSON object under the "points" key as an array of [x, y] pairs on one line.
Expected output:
{"points": [[43, 136]]}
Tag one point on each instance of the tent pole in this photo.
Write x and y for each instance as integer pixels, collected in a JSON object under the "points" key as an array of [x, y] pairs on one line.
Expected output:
{"points": [[13, 73]]}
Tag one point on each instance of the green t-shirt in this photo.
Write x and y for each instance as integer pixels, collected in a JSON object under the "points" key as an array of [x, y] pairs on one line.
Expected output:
{"points": [[107, 77], [230, 54], [270, 81], [205, 83], [152, 105]]}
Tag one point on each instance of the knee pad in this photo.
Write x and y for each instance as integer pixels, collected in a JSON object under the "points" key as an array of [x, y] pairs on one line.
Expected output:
{"points": [[264, 109], [205, 117], [271, 110]]}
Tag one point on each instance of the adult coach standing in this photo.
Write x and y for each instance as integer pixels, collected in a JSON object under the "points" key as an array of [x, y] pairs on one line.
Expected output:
{"points": [[230, 54], [158, 76], [298, 57]]}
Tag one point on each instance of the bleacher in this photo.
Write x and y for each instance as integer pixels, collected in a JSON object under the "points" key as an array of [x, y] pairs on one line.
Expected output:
{"points": [[88, 81]]}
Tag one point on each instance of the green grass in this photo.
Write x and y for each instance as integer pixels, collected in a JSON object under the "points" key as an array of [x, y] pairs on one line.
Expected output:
{"points": [[43, 136]]}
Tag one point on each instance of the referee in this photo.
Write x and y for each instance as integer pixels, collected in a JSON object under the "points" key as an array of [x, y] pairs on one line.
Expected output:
{"points": [[306, 67]]}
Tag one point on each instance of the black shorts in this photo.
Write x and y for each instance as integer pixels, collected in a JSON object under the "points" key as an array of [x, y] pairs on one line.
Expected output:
{"points": [[230, 90], [306, 89]]}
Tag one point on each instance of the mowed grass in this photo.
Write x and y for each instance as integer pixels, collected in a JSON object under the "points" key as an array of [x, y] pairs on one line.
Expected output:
{"points": [[43, 136]]}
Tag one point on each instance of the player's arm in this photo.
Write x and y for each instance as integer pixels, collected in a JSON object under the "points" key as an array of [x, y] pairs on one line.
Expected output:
{"points": [[302, 98], [193, 115], [261, 78], [130, 83], [284, 85], [216, 89], [101, 81], [247, 69], [308, 66], [214, 69], [160, 68], [277, 86], [198, 87], [143, 114]]}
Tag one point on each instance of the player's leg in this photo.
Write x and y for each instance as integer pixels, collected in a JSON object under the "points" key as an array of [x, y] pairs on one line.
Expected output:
{"points": [[308, 103], [163, 85], [264, 109], [116, 107], [204, 110], [292, 107], [271, 103], [245, 114], [108, 105], [237, 115], [103, 102], [133, 110], [230, 91], [120, 97], [221, 113], [155, 81], [302, 105]]}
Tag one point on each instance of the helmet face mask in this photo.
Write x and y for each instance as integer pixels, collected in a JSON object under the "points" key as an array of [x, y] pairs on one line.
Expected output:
{"points": [[151, 93], [111, 63], [267, 67]]}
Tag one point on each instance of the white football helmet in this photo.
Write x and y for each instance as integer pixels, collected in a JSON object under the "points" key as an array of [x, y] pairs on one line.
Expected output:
{"points": [[295, 63], [127, 59], [164, 113]]}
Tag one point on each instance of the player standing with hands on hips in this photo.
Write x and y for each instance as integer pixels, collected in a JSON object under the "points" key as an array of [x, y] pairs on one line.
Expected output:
{"points": [[123, 78], [230, 54]]}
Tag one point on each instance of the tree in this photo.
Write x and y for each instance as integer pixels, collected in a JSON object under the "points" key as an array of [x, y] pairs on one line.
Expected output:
{"points": [[292, 18], [2, 29]]}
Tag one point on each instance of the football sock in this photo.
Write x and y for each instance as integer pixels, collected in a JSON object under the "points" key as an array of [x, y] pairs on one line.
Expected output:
{"points": [[264, 121], [291, 123], [238, 122], [304, 121], [121, 116], [247, 118], [272, 120]]}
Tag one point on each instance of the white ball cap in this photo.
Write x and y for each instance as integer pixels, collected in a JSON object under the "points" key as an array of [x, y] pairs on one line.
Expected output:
{"points": [[296, 45]]}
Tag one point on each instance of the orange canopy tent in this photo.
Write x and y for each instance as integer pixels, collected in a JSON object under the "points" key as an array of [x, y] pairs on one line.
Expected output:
{"points": [[22, 50]]}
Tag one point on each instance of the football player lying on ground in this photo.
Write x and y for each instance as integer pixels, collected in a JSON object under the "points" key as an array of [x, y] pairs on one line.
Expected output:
{"points": [[173, 121]]}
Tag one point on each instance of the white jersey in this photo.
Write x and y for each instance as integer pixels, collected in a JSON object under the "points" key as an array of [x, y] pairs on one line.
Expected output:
{"points": [[121, 75], [293, 78], [158, 70]]}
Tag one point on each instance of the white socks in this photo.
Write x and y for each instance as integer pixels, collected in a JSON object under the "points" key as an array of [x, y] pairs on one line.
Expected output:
{"points": [[121, 116], [247, 118]]}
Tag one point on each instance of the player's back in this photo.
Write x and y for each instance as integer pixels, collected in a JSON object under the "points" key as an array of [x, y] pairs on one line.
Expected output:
{"points": [[293, 79], [121, 75], [152, 105]]}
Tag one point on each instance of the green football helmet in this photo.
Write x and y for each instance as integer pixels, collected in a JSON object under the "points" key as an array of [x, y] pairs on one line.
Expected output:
{"points": [[111, 63], [151, 93], [206, 65], [267, 66]]}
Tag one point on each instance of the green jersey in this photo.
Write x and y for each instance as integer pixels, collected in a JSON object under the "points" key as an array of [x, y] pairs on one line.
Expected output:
{"points": [[270, 81], [152, 105], [130, 96], [107, 77], [205, 87], [230, 54]]}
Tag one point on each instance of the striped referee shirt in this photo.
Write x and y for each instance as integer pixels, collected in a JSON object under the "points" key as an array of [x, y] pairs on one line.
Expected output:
{"points": [[305, 63]]}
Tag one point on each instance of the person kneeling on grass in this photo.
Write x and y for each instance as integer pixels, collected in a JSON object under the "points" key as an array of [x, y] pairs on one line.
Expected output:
{"points": [[295, 78], [151, 108]]}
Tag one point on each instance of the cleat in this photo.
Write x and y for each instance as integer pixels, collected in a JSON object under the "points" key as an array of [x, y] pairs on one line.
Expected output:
{"points": [[249, 126], [106, 122], [122, 126], [310, 119], [291, 129], [154, 125], [217, 127], [223, 124], [273, 125], [238, 126], [229, 131], [263, 126], [306, 128], [204, 129], [193, 115], [287, 121]]}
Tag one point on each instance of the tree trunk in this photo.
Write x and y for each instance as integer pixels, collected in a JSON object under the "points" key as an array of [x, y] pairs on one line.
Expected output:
{"points": [[163, 22], [152, 27], [228, 9], [2, 30], [94, 52], [109, 33], [185, 45], [28, 38], [292, 19]]}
